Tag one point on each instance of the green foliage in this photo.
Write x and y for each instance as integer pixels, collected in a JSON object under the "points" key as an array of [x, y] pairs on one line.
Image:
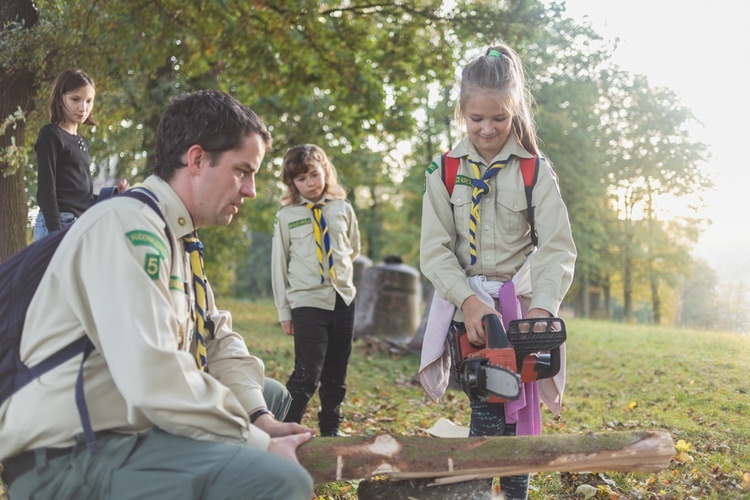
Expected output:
{"points": [[13, 156], [374, 84]]}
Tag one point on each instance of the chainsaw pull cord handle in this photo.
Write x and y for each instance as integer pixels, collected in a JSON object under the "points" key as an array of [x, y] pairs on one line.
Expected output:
{"points": [[494, 331]]}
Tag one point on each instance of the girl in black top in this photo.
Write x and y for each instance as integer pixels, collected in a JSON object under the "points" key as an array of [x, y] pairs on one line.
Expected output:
{"points": [[65, 187]]}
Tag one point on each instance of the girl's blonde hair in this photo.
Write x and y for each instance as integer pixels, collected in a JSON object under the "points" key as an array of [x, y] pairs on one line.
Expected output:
{"points": [[297, 161], [500, 72]]}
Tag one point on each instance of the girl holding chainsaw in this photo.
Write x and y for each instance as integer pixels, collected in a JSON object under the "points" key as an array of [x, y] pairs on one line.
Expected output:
{"points": [[476, 242], [316, 239]]}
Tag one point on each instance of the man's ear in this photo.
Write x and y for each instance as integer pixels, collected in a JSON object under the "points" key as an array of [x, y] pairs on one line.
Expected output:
{"points": [[196, 159]]}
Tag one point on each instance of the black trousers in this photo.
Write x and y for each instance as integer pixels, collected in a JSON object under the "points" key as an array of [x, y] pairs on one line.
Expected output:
{"points": [[322, 347]]}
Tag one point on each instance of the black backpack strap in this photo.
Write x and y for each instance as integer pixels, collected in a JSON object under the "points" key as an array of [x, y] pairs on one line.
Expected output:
{"points": [[86, 346], [145, 195]]}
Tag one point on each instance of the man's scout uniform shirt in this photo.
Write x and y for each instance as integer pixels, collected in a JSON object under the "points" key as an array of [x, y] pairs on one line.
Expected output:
{"points": [[502, 236], [113, 279], [294, 262]]}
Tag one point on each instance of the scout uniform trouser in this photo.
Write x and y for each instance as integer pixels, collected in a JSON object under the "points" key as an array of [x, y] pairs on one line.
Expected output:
{"points": [[165, 466]]}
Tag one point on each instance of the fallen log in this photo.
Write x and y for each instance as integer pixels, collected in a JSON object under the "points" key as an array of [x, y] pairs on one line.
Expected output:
{"points": [[460, 459]]}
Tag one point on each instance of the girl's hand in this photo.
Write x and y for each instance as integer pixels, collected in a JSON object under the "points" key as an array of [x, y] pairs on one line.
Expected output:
{"points": [[538, 313], [474, 310], [288, 327]]}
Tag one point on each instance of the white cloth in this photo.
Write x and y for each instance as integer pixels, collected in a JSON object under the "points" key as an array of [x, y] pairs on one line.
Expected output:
{"points": [[435, 364]]}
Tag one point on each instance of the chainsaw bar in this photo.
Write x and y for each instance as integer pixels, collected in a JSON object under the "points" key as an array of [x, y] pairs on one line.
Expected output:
{"points": [[481, 380], [502, 382]]}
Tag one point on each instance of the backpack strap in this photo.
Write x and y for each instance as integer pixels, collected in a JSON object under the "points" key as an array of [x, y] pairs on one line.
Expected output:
{"points": [[530, 172], [146, 197]]}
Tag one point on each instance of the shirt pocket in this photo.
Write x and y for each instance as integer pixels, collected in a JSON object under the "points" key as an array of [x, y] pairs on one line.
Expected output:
{"points": [[338, 229], [511, 212], [461, 206], [183, 309], [302, 241]]}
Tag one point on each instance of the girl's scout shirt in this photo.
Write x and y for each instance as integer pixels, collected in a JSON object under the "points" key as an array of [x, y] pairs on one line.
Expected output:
{"points": [[113, 280], [502, 236], [295, 269]]}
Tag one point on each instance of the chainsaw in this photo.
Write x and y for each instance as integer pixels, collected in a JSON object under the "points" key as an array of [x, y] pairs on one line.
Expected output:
{"points": [[493, 373]]}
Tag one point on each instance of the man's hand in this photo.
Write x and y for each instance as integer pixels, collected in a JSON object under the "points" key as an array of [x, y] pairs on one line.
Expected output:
{"points": [[274, 428], [474, 310], [287, 446], [288, 327]]}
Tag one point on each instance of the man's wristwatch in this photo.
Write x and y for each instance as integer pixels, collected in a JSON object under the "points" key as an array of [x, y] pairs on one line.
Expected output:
{"points": [[258, 413]]}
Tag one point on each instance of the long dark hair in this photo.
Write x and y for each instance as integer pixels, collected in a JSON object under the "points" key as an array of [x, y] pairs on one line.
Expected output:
{"points": [[68, 81]]}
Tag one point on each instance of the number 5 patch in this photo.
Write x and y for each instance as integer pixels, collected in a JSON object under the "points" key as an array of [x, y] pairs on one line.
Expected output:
{"points": [[152, 265]]}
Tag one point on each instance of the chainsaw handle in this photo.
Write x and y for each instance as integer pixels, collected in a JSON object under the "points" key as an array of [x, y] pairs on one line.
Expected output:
{"points": [[494, 332]]}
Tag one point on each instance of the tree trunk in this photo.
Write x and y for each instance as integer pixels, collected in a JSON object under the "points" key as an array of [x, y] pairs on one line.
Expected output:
{"points": [[655, 299], [607, 286], [627, 287], [449, 460], [585, 296], [17, 90]]}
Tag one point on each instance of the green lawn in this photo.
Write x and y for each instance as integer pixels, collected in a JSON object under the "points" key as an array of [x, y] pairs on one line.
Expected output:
{"points": [[692, 384]]}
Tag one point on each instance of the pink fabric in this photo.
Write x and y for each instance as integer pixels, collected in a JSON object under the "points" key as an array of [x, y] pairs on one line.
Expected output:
{"points": [[525, 411]]}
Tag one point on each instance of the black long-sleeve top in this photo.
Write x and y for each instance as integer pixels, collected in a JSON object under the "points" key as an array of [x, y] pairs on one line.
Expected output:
{"points": [[64, 178]]}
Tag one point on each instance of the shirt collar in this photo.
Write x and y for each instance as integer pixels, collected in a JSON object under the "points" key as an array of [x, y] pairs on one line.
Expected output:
{"points": [[175, 212], [512, 147], [304, 201]]}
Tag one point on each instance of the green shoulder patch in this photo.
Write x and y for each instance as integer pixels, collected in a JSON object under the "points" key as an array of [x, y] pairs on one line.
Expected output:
{"points": [[301, 222], [462, 180], [432, 167], [151, 266], [147, 238], [176, 284]]}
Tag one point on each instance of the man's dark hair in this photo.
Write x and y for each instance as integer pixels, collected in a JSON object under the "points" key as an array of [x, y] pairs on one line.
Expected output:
{"points": [[213, 120]]}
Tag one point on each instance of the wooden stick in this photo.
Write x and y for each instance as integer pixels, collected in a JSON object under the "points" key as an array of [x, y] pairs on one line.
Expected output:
{"points": [[459, 459]]}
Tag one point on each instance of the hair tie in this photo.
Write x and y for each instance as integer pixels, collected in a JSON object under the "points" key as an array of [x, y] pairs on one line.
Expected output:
{"points": [[494, 53]]}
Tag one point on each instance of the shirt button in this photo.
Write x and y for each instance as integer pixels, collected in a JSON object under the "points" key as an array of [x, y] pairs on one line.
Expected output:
{"points": [[486, 228], [458, 200], [487, 200], [487, 257], [515, 205]]}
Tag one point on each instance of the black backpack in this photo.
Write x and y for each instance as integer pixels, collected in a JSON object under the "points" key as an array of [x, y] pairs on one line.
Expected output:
{"points": [[21, 275]]}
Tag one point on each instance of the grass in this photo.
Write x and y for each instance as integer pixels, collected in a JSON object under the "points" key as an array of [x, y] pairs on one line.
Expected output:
{"points": [[693, 384]]}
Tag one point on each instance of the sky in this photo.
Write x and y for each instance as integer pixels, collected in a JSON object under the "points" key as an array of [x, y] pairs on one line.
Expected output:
{"points": [[701, 50]]}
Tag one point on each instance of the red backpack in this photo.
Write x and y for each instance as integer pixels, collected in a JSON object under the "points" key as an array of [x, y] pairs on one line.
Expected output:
{"points": [[529, 170]]}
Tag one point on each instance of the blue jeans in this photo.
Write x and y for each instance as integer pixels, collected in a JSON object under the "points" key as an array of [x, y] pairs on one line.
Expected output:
{"points": [[40, 228]]}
